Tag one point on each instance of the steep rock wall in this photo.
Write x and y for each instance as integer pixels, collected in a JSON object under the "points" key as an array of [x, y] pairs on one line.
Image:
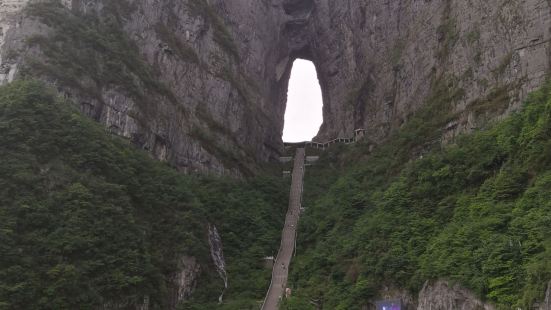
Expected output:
{"points": [[211, 92], [546, 304], [184, 281], [379, 61], [9, 10], [189, 84], [435, 295], [442, 296]]}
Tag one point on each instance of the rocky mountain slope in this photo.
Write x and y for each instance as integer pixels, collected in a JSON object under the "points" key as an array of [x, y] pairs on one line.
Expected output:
{"points": [[379, 61], [178, 78], [202, 84]]}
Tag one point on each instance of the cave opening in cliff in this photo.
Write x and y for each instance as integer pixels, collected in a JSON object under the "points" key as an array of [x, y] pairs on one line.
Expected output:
{"points": [[303, 114]]}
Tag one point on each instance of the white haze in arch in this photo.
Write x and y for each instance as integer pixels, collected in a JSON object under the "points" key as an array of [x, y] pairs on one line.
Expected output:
{"points": [[303, 115]]}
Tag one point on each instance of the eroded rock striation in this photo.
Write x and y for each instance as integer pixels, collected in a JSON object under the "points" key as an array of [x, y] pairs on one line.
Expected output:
{"points": [[184, 281], [440, 295], [435, 295], [380, 61], [188, 81], [546, 304], [202, 84]]}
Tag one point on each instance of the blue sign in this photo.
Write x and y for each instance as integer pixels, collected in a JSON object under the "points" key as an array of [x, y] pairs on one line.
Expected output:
{"points": [[389, 305]]}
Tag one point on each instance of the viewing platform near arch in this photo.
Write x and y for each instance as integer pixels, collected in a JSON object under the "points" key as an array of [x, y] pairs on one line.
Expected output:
{"points": [[358, 134]]}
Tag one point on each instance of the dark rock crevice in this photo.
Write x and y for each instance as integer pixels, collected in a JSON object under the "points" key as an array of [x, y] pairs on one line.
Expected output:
{"points": [[298, 7]]}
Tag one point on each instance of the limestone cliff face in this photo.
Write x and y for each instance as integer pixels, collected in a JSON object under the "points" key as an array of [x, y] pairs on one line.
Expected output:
{"points": [[546, 304], [379, 61], [202, 84], [184, 281], [189, 81], [435, 295], [442, 296]]}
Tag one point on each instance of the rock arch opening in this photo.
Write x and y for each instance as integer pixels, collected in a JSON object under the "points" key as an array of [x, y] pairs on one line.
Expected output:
{"points": [[304, 108]]}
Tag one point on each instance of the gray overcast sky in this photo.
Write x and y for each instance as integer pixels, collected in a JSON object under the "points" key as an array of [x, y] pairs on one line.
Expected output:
{"points": [[303, 116]]}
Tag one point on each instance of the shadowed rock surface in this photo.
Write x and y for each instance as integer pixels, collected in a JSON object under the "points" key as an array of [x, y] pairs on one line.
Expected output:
{"points": [[441, 296]]}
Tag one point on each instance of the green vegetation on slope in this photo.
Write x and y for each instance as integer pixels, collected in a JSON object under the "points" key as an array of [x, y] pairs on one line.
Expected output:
{"points": [[476, 212], [86, 219], [253, 224]]}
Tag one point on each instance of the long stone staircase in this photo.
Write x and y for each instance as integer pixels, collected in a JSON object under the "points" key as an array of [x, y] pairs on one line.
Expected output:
{"points": [[280, 270]]}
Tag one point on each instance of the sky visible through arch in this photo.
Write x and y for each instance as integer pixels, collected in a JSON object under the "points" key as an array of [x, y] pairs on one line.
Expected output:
{"points": [[303, 115]]}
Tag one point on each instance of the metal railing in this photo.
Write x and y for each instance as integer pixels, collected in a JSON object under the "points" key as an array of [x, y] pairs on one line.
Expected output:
{"points": [[358, 133], [289, 210]]}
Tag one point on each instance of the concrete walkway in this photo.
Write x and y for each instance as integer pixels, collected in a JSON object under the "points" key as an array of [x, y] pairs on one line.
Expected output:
{"points": [[288, 237]]}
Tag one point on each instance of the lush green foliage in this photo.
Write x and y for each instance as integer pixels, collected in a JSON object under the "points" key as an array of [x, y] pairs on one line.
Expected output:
{"points": [[476, 212], [253, 224], [86, 219]]}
